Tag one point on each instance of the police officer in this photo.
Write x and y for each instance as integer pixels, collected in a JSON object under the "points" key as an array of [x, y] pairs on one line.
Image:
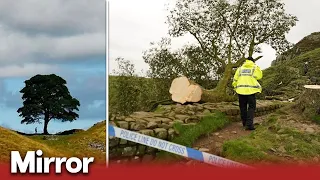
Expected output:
{"points": [[246, 85]]}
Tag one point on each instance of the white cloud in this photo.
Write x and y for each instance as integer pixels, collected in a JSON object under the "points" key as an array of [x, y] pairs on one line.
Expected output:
{"points": [[26, 70], [76, 46], [96, 104]]}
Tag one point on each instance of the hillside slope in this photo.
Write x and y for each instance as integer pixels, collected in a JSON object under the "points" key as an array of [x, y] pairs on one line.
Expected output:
{"points": [[308, 43], [12, 141], [89, 143], [286, 80]]}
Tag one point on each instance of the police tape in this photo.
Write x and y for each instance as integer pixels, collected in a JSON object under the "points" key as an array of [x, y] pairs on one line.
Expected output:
{"points": [[173, 148]]}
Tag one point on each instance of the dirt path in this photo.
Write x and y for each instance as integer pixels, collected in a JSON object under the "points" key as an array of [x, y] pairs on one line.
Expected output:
{"points": [[213, 143]]}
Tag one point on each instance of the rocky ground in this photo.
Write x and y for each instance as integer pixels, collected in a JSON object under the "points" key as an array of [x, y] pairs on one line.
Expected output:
{"points": [[213, 143]]}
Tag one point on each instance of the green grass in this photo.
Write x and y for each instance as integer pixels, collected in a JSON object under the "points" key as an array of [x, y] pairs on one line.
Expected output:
{"points": [[273, 135], [189, 134], [316, 119], [242, 150], [287, 78], [159, 109], [209, 123]]}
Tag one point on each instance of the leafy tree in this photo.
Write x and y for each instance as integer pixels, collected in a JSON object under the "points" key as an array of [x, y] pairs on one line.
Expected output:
{"points": [[129, 92], [189, 61], [46, 97], [124, 89], [228, 31]]}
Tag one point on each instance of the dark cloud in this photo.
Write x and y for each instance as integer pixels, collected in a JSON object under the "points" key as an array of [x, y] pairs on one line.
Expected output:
{"points": [[51, 31], [22, 49], [89, 90], [53, 17]]}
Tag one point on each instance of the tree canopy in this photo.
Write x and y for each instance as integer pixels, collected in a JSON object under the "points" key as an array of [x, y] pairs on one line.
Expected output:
{"points": [[189, 61], [46, 97], [227, 32]]}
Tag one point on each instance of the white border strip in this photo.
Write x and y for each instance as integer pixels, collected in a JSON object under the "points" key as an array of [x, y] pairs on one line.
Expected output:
{"points": [[107, 80]]}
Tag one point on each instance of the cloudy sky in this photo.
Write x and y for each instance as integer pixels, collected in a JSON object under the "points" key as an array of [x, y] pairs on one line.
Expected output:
{"points": [[134, 24], [65, 37]]}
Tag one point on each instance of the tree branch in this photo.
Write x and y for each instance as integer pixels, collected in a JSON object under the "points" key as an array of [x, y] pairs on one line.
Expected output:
{"points": [[252, 44], [232, 31], [256, 59], [215, 56], [239, 62], [265, 31], [239, 47], [238, 17], [225, 21], [266, 36]]}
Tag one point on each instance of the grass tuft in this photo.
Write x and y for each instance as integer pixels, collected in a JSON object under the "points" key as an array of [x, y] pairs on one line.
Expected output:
{"points": [[189, 134], [242, 150], [210, 123], [316, 119]]}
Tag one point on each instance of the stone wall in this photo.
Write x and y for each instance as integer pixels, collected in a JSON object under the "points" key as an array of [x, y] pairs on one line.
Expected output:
{"points": [[160, 124]]}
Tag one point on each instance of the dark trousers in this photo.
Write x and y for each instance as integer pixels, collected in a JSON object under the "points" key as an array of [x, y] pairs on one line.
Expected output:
{"points": [[247, 105]]}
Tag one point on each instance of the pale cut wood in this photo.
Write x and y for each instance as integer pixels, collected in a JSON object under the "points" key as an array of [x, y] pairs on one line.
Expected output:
{"points": [[194, 93], [309, 102], [183, 90], [178, 85], [312, 87]]}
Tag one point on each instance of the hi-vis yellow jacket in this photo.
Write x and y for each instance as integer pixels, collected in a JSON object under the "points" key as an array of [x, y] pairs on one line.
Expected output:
{"points": [[245, 80]]}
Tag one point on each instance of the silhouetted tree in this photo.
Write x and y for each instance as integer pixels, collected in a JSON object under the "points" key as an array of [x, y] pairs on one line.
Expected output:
{"points": [[46, 97]]}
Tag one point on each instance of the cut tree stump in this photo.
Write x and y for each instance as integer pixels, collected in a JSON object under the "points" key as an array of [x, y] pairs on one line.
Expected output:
{"points": [[314, 87], [183, 90], [309, 102]]}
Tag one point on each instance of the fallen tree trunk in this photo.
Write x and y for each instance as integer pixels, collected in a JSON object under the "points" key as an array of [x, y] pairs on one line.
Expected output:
{"points": [[309, 102], [274, 98], [183, 90]]}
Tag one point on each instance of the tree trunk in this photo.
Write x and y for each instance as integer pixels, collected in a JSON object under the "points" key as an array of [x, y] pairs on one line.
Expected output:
{"points": [[183, 90], [223, 83], [46, 121], [219, 93]]}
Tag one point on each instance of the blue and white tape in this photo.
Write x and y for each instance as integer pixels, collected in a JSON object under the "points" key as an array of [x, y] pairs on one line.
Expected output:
{"points": [[173, 148]]}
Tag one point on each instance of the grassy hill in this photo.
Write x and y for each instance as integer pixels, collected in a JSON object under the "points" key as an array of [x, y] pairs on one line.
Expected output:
{"points": [[89, 143], [11, 141], [286, 78], [308, 43]]}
